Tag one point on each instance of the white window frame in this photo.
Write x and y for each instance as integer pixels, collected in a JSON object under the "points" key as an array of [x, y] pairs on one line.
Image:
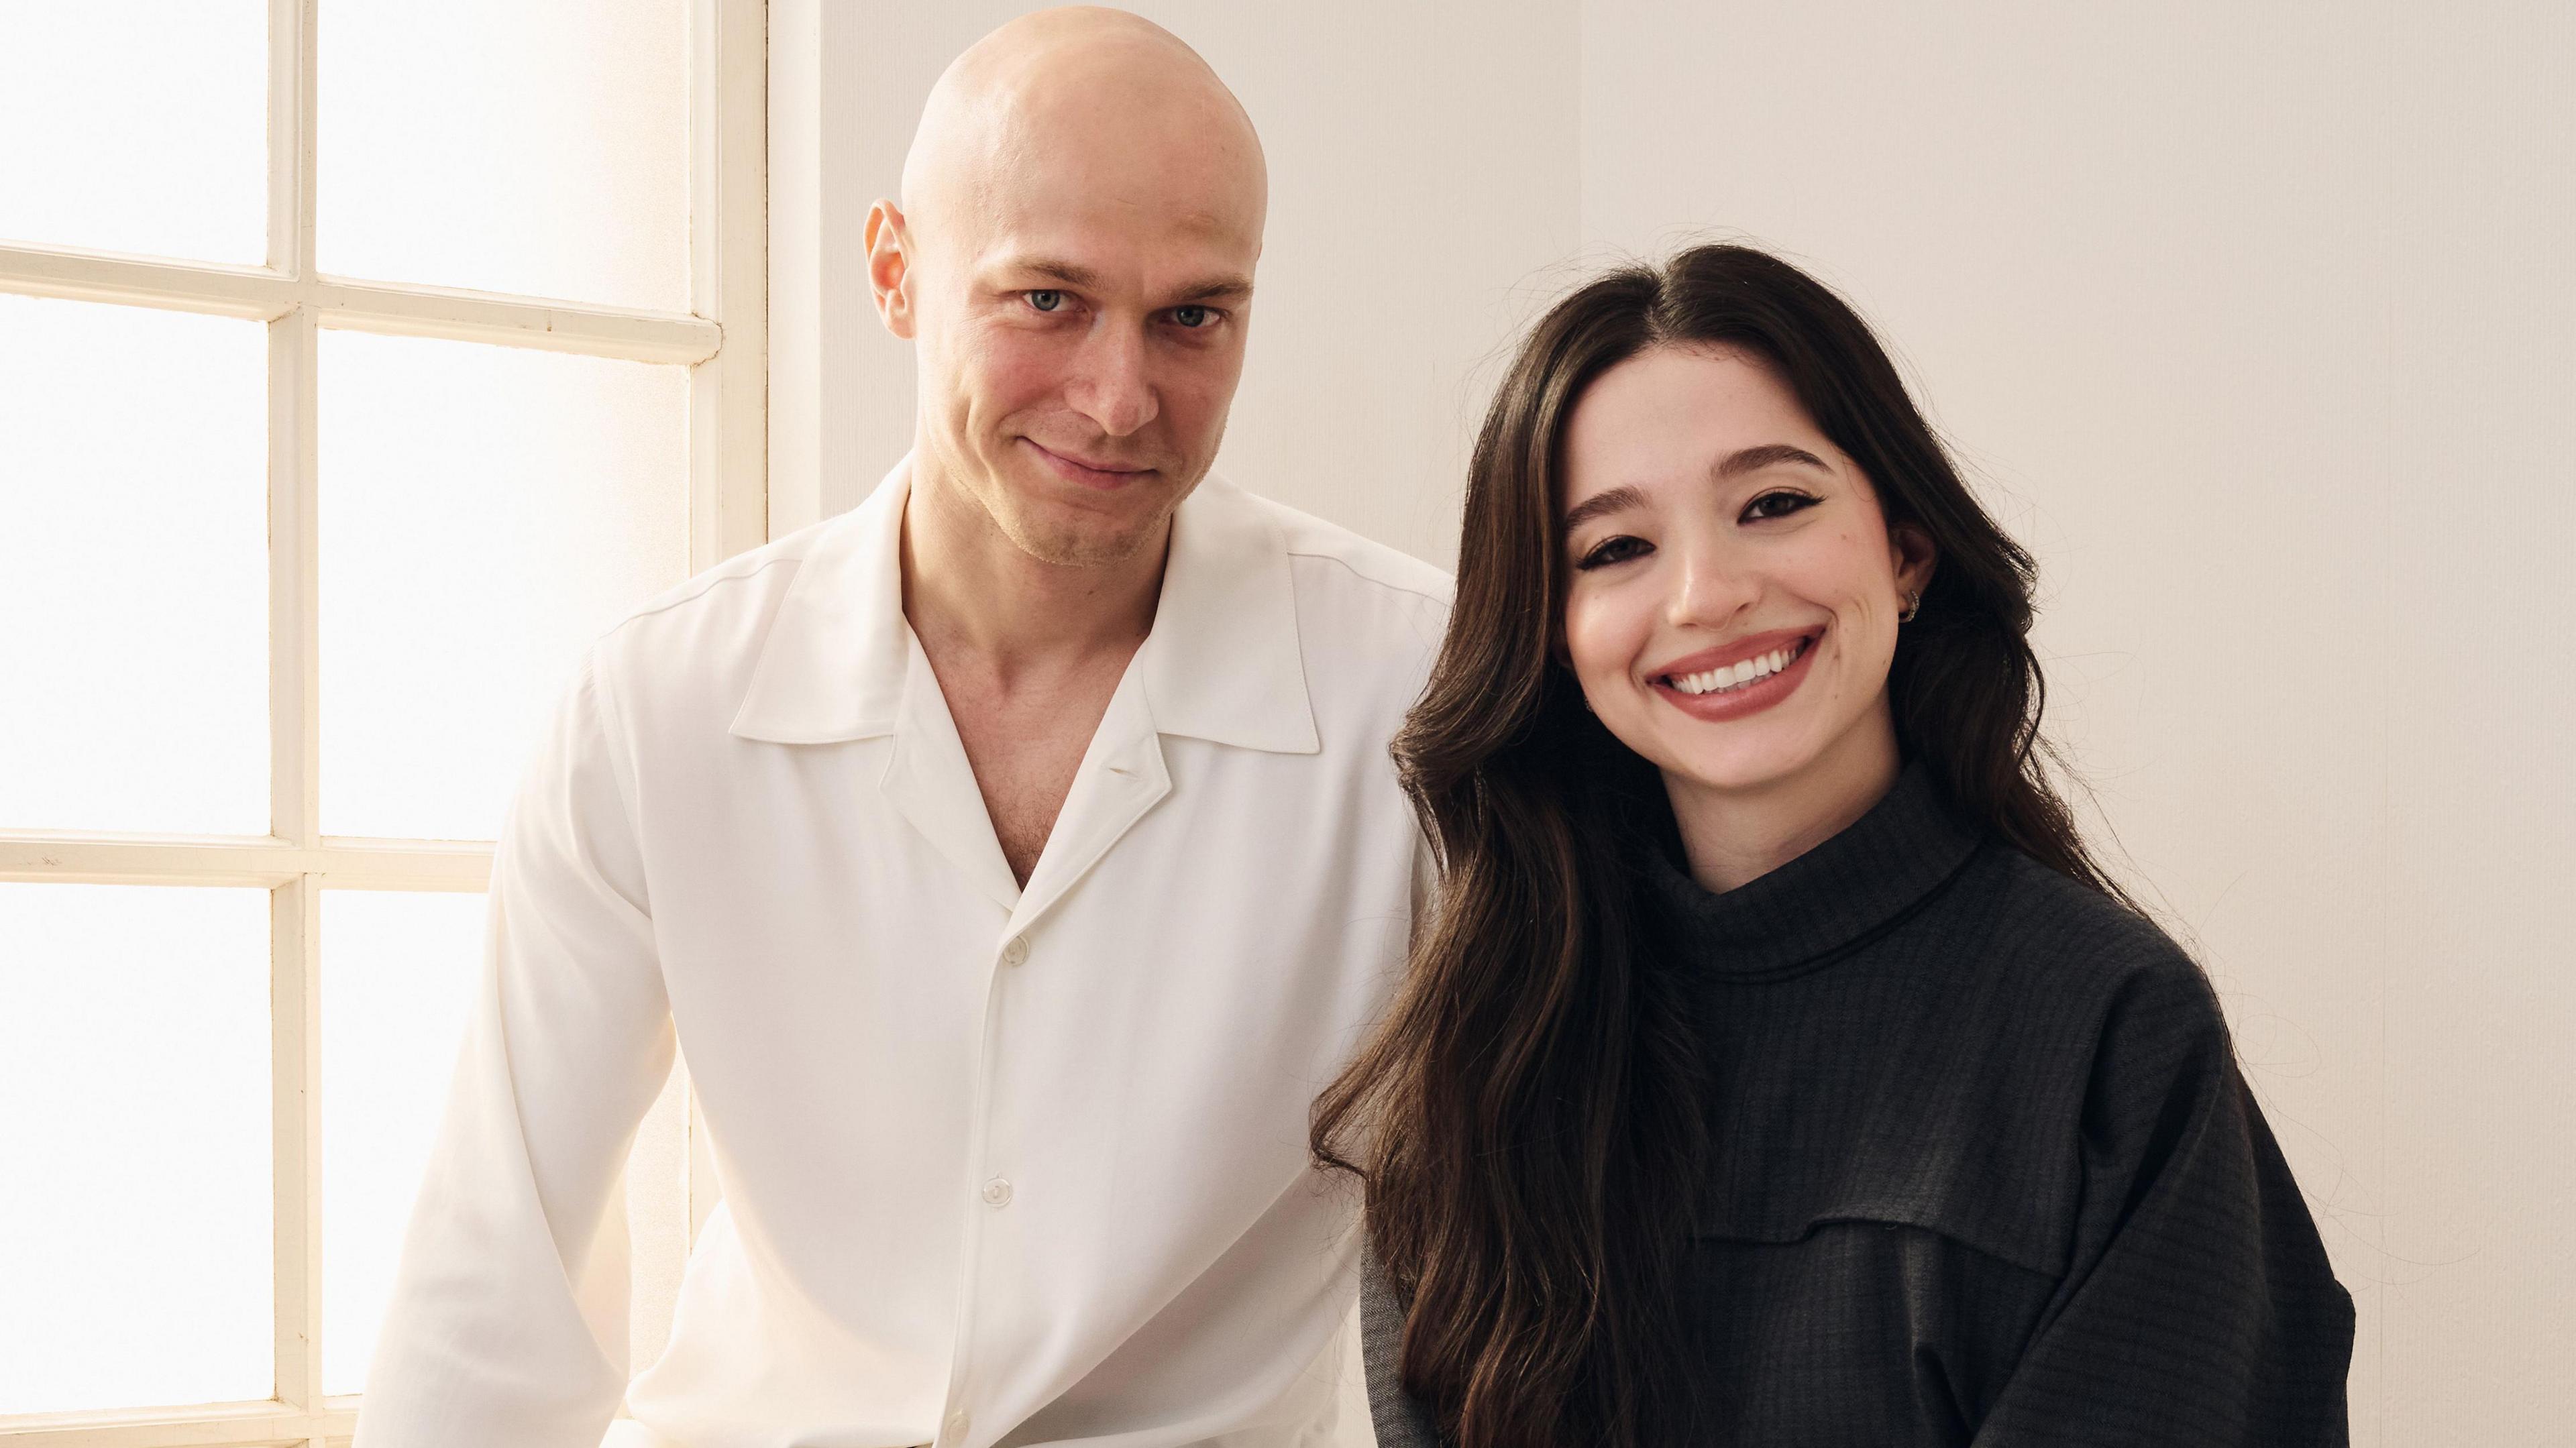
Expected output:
{"points": [[724, 340]]}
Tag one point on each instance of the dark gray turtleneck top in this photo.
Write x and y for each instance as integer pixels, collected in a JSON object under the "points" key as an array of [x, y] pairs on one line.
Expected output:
{"points": [[1983, 1171]]}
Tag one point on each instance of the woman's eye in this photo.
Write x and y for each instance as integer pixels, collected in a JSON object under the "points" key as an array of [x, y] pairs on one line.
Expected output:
{"points": [[1612, 550], [1192, 317], [1046, 301], [1777, 505]]}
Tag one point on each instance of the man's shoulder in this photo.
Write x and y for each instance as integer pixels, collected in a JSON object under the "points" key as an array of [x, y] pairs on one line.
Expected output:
{"points": [[1364, 562], [711, 624], [739, 582], [1369, 618], [1329, 559]]}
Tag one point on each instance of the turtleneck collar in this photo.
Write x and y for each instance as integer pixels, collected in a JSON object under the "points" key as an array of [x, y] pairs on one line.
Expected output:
{"points": [[1824, 904]]}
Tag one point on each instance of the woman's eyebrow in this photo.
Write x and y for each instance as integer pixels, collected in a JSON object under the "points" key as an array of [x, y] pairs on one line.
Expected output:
{"points": [[1614, 501], [1733, 465], [1769, 454]]}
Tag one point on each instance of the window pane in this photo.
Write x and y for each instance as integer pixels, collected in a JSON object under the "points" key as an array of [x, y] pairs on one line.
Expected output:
{"points": [[133, 570], [135, 1200], [508, 147], [136, 125], [398, 974], [485, 513]]}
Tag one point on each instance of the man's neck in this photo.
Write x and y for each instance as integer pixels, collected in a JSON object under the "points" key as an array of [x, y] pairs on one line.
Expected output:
{"points": [[976, 598]]}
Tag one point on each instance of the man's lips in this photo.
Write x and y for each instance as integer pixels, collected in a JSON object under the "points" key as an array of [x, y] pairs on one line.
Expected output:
{"points": [[1103, 473]]}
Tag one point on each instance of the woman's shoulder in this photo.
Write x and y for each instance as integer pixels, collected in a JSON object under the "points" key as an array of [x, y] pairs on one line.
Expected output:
{"points": [[2009, 1008], [2077, 958], [1400, 1419]]}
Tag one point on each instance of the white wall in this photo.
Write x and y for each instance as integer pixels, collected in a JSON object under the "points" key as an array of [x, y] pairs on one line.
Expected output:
{"points": [[2256, 321], [2260, 322]]}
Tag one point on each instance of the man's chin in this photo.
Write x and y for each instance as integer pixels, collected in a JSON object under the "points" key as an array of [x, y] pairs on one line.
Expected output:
{"points": [[1085, 543], [1091, 530]]}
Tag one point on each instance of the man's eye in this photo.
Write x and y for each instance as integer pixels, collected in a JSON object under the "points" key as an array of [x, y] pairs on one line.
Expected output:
{"points": [[1777, 505], [1612, 550], [1192, 317], [1046, 301]]}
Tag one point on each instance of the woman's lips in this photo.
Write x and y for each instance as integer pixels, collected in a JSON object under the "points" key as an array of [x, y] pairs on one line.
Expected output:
{"points": [[1751, 697]]}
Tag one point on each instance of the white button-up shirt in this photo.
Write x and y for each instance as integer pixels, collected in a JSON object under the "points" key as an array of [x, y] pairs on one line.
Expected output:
{"points": [[1000, 1164]]}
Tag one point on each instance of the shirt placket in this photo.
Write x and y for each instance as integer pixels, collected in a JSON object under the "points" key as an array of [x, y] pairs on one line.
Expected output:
{"points": [[989, 1191], [1122, 776]]}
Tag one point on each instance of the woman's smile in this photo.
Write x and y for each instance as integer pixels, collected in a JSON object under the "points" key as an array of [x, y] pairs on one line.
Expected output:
{"points": [[1734, 680]]}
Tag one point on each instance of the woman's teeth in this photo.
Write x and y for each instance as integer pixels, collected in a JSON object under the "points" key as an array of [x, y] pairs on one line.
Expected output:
{"points": [[1735, 676]]}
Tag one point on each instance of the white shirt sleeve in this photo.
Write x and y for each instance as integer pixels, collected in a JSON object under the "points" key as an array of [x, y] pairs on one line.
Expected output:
{"points": [[485, 1344]]}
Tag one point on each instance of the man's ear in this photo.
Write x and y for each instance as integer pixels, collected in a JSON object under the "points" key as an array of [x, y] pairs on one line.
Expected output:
{"points": [[889, 267], [1914, 555]]}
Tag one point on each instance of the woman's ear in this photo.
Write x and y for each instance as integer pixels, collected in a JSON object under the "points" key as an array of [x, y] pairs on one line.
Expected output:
{"points": [[1911, 552]]}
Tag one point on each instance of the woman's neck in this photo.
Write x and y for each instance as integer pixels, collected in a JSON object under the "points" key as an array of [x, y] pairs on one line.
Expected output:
{"points": [[1733, 837]]}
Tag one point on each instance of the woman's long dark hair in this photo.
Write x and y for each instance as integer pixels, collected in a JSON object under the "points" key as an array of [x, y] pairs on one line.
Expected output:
{"points": [[1527, 1118]]}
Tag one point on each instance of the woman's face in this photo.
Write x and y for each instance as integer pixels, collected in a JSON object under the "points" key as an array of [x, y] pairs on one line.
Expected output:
{"points": [[1733, 589]]}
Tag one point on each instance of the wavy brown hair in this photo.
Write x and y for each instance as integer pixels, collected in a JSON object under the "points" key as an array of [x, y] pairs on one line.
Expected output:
{"points": [[1527, 1118]]}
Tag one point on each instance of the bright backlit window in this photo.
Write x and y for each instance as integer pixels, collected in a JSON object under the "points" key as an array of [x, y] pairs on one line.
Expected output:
{"points": [[359, 364]]}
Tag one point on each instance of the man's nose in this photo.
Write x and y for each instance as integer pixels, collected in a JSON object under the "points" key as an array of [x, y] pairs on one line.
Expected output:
{"points": [[1111, 383]]}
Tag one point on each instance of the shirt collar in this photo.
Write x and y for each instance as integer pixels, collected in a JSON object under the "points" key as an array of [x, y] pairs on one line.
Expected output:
{"points": [[1222, 662], [1828, 902]]}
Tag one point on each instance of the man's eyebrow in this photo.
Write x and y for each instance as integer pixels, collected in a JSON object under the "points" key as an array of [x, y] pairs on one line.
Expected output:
{"points": [[1617, 500], [1769, 454], [1062, 271], [1214, 289]]}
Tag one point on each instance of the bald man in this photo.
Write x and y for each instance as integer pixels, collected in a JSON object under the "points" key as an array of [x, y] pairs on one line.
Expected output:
{"points": [[1013, 858]]}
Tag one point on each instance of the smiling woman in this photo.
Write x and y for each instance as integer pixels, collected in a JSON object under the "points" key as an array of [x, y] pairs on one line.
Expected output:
{"points": [[1781, 1067], [1743, 571]]}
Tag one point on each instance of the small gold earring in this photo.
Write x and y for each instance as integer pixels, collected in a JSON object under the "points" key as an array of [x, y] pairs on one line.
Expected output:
{"points": [[1913, 605]]}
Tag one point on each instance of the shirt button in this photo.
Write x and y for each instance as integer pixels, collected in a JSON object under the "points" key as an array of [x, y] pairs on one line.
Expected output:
{"points": [[1017, 951], [957, 1424], [997, 1193]]}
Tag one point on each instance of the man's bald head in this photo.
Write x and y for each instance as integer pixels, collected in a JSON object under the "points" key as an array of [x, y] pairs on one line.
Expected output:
{"points": [[1072, 258], [1085, 94]]}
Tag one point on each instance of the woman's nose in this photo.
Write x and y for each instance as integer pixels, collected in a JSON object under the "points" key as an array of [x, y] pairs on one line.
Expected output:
{"points": [[1710, 588]]}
